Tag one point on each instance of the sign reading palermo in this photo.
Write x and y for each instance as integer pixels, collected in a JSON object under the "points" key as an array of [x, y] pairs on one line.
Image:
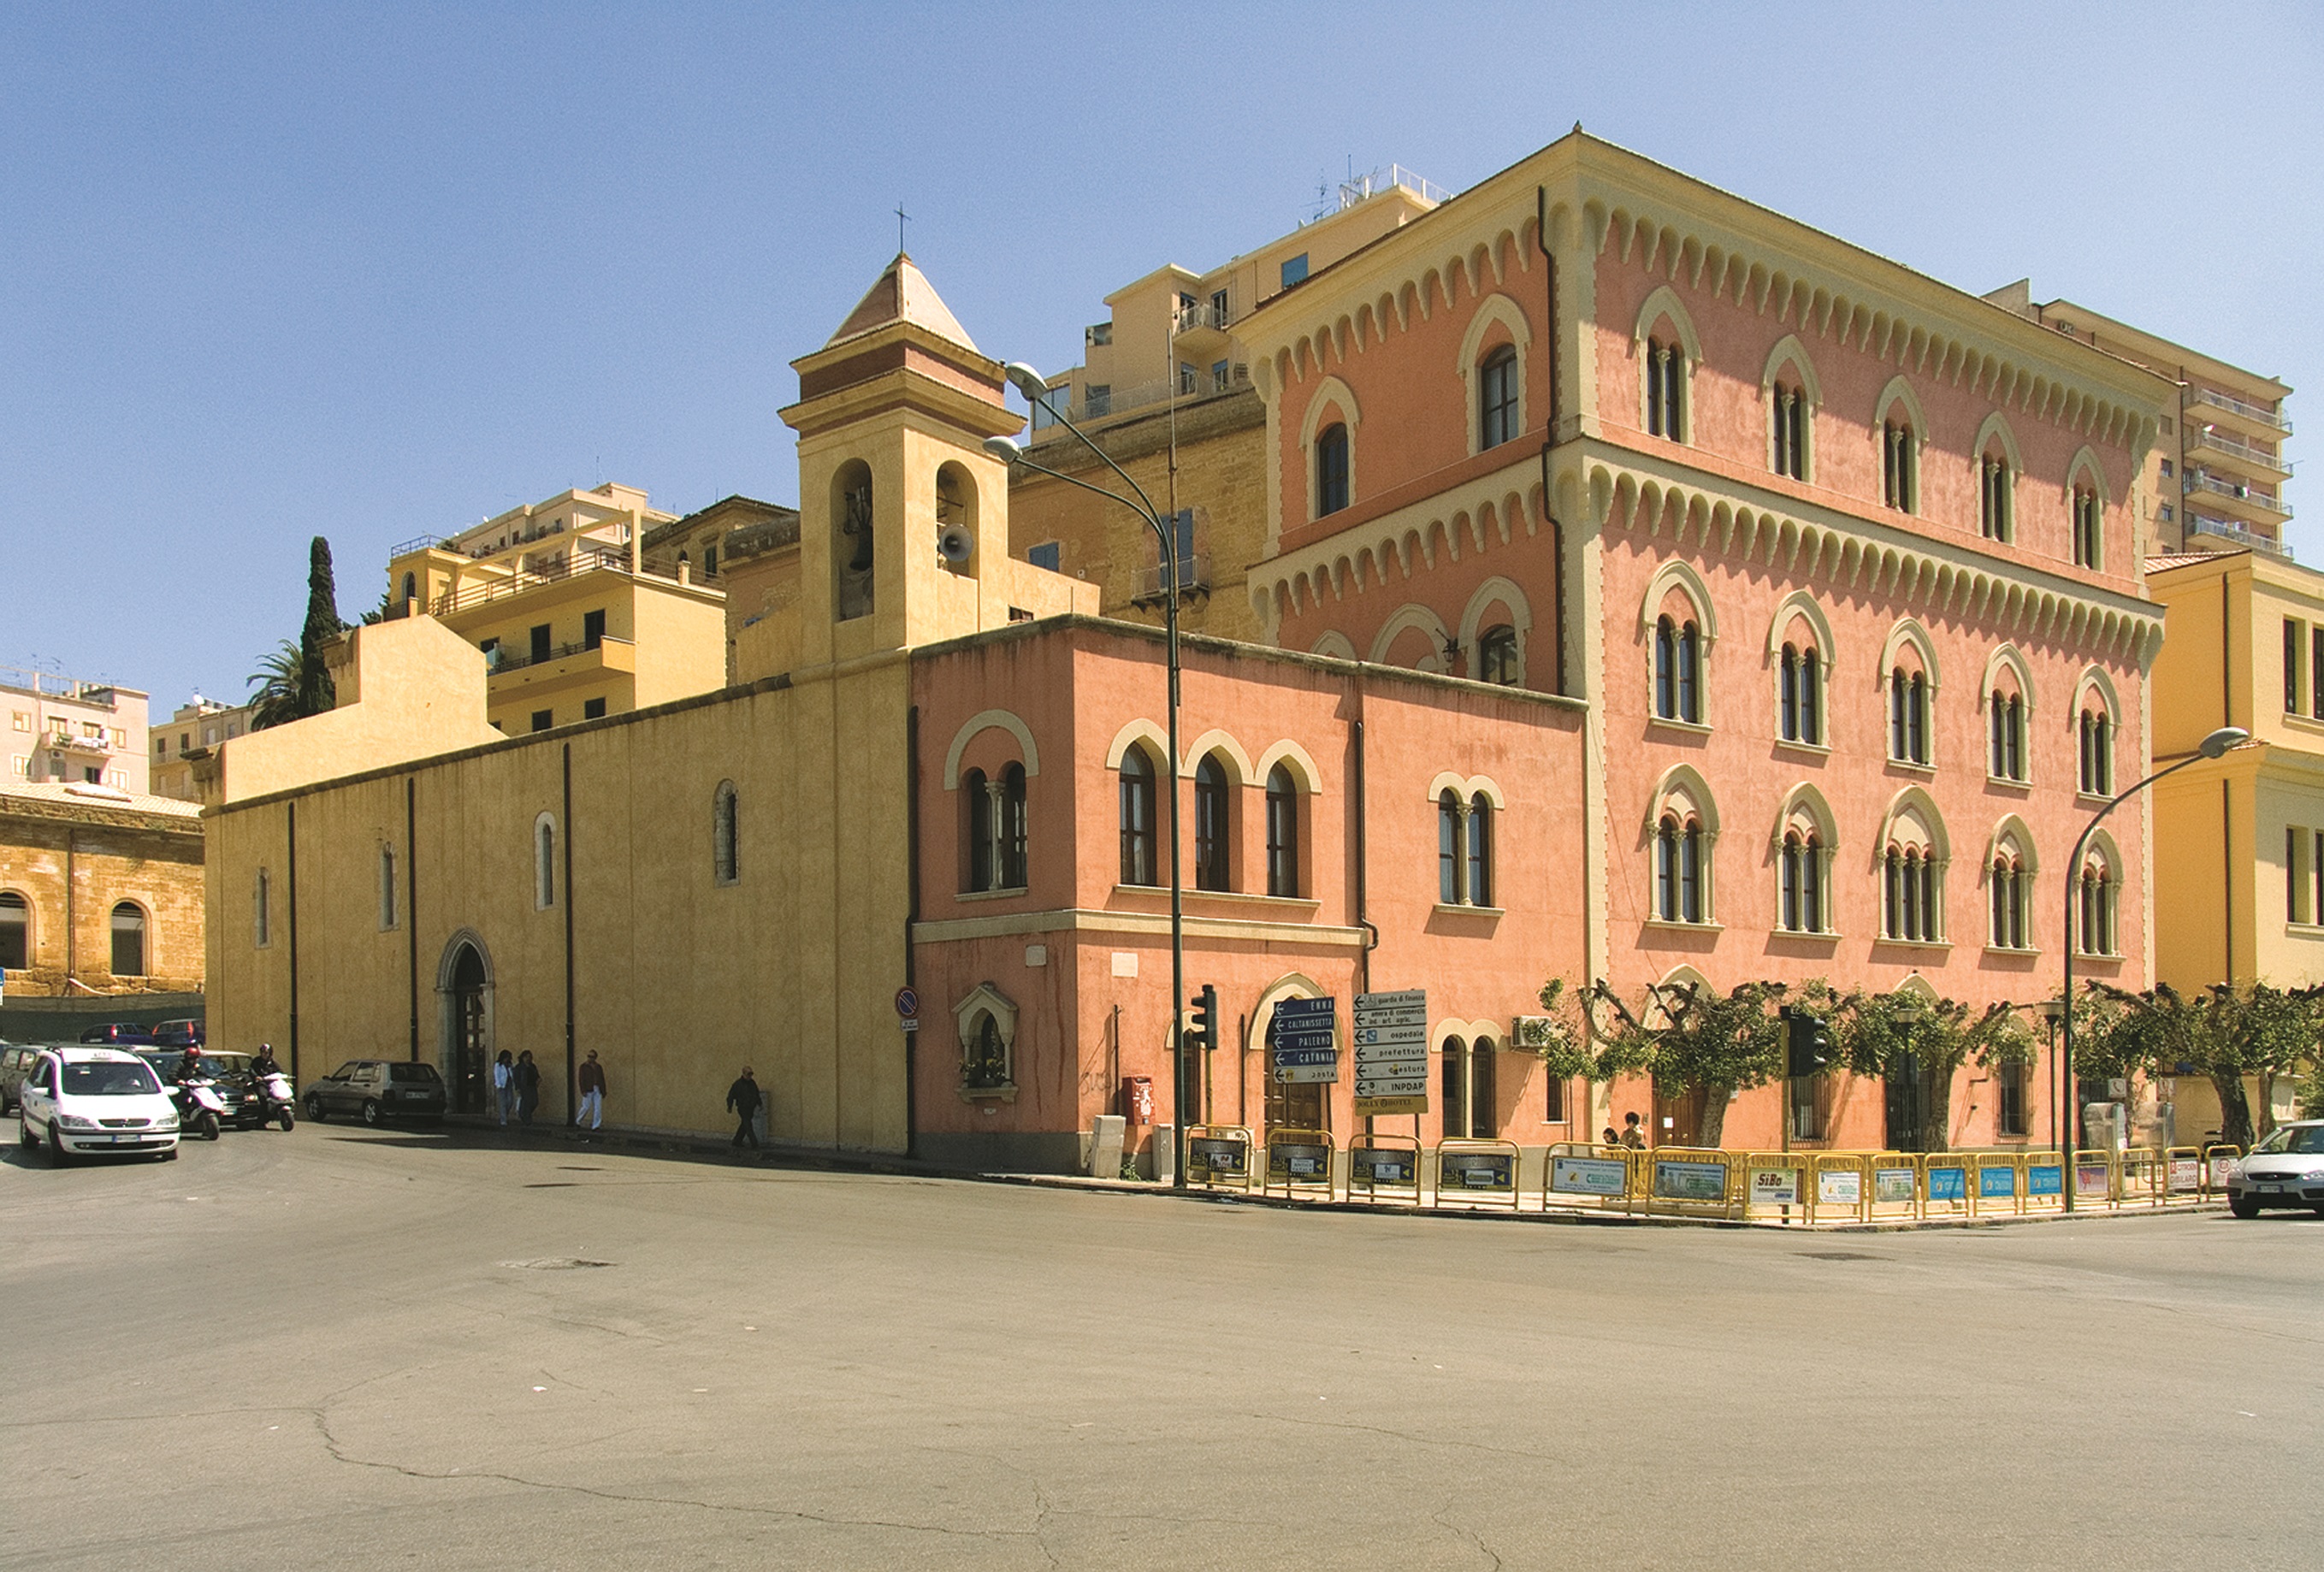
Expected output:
{"points": [[1304, 1037], [1391, 1039]]}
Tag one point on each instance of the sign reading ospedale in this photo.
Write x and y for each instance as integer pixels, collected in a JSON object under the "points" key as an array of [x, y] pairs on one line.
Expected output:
{"points": [[1391, 1045]]}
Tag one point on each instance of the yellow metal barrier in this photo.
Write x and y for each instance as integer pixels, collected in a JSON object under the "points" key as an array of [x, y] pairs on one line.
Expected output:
{"points": [[2045, 1181], [1218, 1156], [1691, 1181], [1300, 1161], [1779, 1184], [1948, 1185], [1576, 1173], [1844, 1187], [2182, 1174], [1383, 1167], [1477, 1173], [2220, 1161], [1898, 1185], [1999, 1183], [2098, 1181], [2142, 1176]]}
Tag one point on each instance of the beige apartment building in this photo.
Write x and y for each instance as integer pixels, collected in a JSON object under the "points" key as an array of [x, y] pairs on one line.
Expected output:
{"points": [[572, 622], [1165, 387], [66, 728], [2216, 477], [190, 732]]}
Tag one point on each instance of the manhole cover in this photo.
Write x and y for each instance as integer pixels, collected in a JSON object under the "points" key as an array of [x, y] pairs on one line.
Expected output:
{"points": [[1836, 1255], [554, 1263]]}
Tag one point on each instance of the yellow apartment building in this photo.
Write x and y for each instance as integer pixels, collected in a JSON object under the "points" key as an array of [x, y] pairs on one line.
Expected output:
{"points": [[2216, 477], [572, 622], [1165, 388], [191, 731], [2239, 842]]}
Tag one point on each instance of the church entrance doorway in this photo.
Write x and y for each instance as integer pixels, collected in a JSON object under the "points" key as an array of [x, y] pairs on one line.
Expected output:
{"points": [[468, 1054]]}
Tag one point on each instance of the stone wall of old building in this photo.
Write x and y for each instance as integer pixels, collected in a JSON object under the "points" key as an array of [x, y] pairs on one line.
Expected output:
{"points": [[72, 859]]}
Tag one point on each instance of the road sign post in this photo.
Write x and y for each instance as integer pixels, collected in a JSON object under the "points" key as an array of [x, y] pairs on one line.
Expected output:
{"points": [[1391, 1051]]}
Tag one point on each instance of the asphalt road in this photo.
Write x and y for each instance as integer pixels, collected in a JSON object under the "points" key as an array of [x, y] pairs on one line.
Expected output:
{"points": [[335, 1349]]}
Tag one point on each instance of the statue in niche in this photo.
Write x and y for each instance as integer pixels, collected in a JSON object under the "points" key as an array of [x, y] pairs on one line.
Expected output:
{"points": [[855, 561]]}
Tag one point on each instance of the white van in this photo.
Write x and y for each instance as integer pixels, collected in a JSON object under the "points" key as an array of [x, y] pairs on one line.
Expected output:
{"points": [[94, 1099]]}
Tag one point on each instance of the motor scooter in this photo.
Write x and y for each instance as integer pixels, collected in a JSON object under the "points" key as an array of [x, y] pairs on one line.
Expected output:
{"points": [[271, 1093], [198, 1107]]}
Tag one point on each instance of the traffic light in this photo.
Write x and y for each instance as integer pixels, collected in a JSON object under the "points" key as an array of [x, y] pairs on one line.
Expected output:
{"points": [[1809, 1042], [1205, 1004]]}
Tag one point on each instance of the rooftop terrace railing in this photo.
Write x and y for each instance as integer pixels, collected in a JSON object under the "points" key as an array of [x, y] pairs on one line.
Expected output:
{"points": [[568, 564], [2237, 405], [2236, 534]]}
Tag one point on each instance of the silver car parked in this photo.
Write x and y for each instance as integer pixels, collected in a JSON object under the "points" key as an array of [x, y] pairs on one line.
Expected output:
{"points": [[2285, 1169]]}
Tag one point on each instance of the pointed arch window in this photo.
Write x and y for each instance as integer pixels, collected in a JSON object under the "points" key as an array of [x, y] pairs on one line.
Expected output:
{"points": [[1800, 882], [1996, 487], [1448, 847], [1900, 463], [544, 862], [726, 835], [1138, 776], [1679, 885], [1331, 469], [1666, 371], [1678, 670], [2011, 892], [1787, 429], [1213, 797], [2095, 752], [1910, 909], [1497, 655], [1908, 716], [2005, 739], [1282, 833], [2095, 931], [1480, 892], [2087, 516], [1496, 398], [1799, 706]]}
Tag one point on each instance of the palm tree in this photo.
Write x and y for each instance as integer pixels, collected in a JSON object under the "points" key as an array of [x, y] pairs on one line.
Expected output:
{"points": [[278, 682]]}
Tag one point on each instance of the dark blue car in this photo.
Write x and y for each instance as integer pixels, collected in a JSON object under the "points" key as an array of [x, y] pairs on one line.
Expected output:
{"points": [[119, 1035]]}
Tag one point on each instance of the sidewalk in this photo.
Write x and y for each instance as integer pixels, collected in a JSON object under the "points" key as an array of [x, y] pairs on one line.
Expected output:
{"points": [[697, 1145]]}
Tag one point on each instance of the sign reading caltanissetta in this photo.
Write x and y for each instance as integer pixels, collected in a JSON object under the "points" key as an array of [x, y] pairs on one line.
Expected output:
{"points": [[1304, 1037], [1391, 1046]]}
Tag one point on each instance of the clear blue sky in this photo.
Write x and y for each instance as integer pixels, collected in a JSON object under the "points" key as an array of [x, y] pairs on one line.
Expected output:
{"points": [[375, 272]]}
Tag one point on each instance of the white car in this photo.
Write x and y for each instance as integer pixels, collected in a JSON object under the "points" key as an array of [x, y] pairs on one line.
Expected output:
{"points": [[2286, 1169], [94, 1099]]}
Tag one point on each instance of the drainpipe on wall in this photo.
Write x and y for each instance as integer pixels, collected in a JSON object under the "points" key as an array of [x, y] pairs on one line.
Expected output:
{"points": [[1549, 427], [72, 926], [572, 1111], [912, 916], [411, 901], [290, 911]]}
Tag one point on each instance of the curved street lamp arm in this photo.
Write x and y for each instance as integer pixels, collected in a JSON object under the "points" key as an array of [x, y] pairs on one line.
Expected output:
{"points": [[1152, 514], [1152, 522]]}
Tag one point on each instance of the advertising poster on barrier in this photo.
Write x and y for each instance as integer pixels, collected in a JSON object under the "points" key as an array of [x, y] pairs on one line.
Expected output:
{"points": [[1213, 1156], [1297, 1159], [1481, 1171], [1774, 1186], [1690, 1180], [1601, 1176], [1948, 1184], [1997, 1183], [2223, 1169], [2185, 1174], [1892, 1186], [1375, 1166], [1844, 1187], [2044, 1179], [2091, 1178]]}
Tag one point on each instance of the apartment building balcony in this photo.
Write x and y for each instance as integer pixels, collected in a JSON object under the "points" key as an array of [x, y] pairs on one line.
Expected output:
{"points": [[2236, 499], [2223, 410], [61, 740], [2214, 444], [514, 581], [512, 674], [1201, 328], [2200, 524]]}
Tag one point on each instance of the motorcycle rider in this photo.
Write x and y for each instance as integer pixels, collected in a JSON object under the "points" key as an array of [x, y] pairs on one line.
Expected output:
{"points": [[261, 1063], [191, 1068]]}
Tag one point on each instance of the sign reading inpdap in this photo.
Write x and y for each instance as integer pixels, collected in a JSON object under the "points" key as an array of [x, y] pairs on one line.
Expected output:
{"points": [[1391, 1039]]}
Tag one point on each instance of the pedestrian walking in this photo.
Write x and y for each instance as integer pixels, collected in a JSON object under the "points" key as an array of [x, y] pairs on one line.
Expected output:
{"points": [[1634, 1134], [592, 1081], [504, 1086], [528, 1087], [1612, 1138], [743, 1100]]}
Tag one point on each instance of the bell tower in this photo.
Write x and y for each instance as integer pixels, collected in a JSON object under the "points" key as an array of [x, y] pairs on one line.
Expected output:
{"points": [[903, 518]]}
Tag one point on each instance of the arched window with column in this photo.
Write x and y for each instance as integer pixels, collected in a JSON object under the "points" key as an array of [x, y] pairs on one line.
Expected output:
{"points": [[1014, 849], [1913, 864], [2096, 892], [1799, 649], [2094, 737], [1214, 824], [1804, 836]]}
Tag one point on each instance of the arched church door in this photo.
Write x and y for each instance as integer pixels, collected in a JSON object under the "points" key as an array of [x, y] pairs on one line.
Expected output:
{"points": [[471, 1055]]}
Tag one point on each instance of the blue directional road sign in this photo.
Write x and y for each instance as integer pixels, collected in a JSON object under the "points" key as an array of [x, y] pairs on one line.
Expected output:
{"points": [[1287, 1010], [1303, 1041], [1289, 1056]]}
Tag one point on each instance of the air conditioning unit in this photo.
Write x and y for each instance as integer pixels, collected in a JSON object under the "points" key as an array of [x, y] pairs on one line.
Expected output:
{"points": [[1533, 1032]]}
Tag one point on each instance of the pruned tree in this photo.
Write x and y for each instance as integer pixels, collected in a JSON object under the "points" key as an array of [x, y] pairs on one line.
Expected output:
{"points": [[1695, 1038], [2262, 1033], [1895, 1035]]}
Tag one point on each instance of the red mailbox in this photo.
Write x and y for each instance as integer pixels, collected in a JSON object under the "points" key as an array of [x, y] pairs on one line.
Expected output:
{"points": [[1138, 1100]]}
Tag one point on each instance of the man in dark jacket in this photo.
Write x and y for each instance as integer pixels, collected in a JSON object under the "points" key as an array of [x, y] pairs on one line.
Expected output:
{"points": [[592, 1081], [743, 1100], [528, 1087]]}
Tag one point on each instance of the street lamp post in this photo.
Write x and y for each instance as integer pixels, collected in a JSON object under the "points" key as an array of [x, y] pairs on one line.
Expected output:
{"points": [[2210, 747], [1029, 382]]}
